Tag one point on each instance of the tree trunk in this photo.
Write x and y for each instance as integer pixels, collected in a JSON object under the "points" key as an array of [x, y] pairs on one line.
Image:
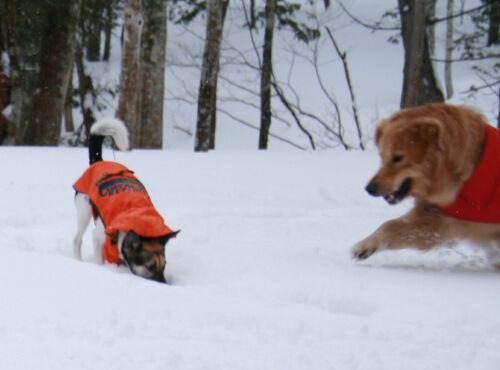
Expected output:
{"points": [[430, 28], [58, 46], [153, 49], [25, 23], [93, 45], [266, 75], [419, 82], [253, 19], [69, 125], [108, 29], [449, 50], [498, 116], [213, 121], [494, 26], [130, 81], [208, 80]]}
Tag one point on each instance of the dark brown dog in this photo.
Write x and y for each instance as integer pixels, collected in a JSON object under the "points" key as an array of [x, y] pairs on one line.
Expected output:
{"points": [[428, 153]]}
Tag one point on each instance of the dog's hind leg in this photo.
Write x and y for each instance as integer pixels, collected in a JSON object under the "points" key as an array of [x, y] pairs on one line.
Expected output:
{"points": [[83, 216], [99, 236]]}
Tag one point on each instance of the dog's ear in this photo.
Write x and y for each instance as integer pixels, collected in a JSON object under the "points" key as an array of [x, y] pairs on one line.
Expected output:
{"points": [[166, 238]]}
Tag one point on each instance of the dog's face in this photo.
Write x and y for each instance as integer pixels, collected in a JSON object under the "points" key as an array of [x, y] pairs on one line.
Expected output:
{"points": [[411, 154], [145, 256]]}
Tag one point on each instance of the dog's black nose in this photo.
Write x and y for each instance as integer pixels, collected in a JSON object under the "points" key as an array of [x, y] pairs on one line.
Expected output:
{"points": [[372, 188]]}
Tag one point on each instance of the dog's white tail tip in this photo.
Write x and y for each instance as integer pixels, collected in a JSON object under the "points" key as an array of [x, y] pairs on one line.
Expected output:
{"points": [[112, 127]]}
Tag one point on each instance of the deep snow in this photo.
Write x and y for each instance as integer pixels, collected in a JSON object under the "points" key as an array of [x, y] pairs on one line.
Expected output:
{"points": [[261, 275]]}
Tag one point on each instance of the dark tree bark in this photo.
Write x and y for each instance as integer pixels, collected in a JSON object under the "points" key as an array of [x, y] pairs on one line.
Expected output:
{"points": [[25, 22], [213, 121], [149, 132], [94, 32], [494, 22], [57, 53], [69, 125], [4, 102], [108, 29], [498, 116], [419, 81], [253, 19], [130, 81], [266, 75], [209, 72]]}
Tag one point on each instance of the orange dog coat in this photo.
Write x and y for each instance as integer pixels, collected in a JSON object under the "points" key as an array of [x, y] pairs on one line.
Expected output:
{"points": [[123, 204]]}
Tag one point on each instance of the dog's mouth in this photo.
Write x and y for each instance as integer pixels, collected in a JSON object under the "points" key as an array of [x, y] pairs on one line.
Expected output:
{"points": [[400, 194]]}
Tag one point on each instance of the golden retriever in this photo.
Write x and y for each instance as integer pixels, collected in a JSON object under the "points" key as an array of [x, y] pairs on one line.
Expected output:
{"points": [[430, 153]]}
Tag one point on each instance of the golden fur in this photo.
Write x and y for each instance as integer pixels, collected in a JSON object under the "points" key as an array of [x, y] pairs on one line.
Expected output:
{"points": [[427, 152]]}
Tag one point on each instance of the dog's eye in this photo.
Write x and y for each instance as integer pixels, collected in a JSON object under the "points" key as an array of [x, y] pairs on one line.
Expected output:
{"points": [[397, 158]]}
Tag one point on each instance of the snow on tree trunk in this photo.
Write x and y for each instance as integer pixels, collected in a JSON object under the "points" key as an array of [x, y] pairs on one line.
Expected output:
{"points": [[130, 81], [87, 97], [266, 75], [209, 71], [153, 50], [419, 82], [56, 60]]}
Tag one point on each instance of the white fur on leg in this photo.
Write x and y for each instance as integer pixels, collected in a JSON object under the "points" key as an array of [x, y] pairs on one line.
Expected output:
{"points": [[99, 237], [83, 216]]}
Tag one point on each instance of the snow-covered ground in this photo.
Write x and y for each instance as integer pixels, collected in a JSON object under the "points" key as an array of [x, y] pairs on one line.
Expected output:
{"points": [[261, 275]]}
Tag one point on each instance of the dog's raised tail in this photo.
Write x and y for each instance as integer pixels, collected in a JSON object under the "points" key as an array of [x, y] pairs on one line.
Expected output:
{"points": [[106, 127]]}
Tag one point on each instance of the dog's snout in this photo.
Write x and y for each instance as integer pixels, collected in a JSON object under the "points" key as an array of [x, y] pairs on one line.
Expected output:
{"points": [[372, 188]]}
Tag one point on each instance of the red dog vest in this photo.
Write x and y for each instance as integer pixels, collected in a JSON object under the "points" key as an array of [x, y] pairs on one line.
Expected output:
{"points": [[123, 204], [479, 198]]}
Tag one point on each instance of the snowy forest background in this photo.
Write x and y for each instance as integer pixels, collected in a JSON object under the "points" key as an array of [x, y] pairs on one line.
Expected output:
{"points": [[306, 74]]}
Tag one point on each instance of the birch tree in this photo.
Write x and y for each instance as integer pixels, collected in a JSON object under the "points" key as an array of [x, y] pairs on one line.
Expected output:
{"points": [[130, 85], [209, 73], [449, 50]]}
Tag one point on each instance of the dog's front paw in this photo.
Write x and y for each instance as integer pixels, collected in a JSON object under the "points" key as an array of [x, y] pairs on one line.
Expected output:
{"points": [[363, 250]]}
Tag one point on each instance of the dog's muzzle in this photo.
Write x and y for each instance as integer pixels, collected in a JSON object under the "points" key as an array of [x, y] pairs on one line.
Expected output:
{"points": [[395, 197], [399, 194]]}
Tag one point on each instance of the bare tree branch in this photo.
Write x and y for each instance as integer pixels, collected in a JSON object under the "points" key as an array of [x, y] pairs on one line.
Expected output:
{"points": [[239, 120], [374, 27], [287, 105], [460, 14], [343, 57]]}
